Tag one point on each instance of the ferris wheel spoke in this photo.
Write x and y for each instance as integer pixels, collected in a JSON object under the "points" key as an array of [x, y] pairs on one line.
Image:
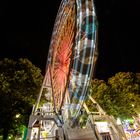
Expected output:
{"points": [[72, 49]]}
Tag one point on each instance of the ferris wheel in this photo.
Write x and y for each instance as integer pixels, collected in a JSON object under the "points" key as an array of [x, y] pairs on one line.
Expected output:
{"points": [[72, 53], [70, 66]]}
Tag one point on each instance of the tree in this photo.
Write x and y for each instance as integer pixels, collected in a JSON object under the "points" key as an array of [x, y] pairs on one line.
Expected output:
{"points": [[120, 96], [101, 92], [125, 95], [20, 82]]}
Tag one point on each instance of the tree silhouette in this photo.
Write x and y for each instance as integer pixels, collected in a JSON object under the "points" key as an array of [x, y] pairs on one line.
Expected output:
{"points": [[20, 82]]}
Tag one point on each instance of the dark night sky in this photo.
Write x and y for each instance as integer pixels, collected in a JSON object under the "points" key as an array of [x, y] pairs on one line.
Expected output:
{"points": [[26, 28]]}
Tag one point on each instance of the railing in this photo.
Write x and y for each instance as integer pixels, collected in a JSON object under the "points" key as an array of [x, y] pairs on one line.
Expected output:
{"points": [[134, 137], [107, 136]]}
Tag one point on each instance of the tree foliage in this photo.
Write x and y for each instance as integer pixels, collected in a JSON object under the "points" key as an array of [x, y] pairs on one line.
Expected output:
{"points": [[119, 96], [20, 82]]}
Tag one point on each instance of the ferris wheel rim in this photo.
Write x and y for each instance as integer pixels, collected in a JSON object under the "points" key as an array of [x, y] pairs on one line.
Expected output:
{"points": [[86, 36]]}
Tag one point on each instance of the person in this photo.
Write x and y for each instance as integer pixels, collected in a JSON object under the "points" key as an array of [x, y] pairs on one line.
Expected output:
{"points": [[34, 136]]}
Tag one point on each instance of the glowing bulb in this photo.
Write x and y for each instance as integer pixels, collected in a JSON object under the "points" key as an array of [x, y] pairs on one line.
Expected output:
{"points": [[17, 115]]}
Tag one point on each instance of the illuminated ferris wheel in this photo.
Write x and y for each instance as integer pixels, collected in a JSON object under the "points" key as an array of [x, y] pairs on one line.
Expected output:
{"points": [[72, 50], [70, 66]]}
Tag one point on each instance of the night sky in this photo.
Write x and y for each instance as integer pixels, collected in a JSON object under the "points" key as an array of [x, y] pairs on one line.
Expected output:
{"points": [[26, 28]]}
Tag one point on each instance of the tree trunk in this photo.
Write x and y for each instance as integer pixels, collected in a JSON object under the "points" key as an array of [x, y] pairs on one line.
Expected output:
{"points": [[5, 133]]}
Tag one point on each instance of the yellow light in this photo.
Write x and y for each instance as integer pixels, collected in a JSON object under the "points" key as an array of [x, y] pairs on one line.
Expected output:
{"points": [[17, 115], [132, 105]]}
